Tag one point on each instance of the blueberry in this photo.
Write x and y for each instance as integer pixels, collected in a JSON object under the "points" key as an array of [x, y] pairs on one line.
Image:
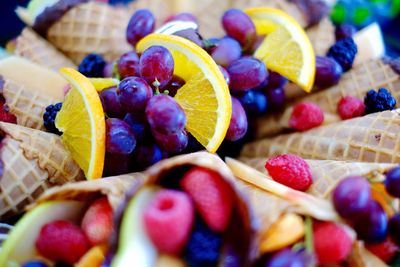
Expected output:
{"points": [[379, 101], [344, 52], [34, 264], [49, 117], [92, 66]]}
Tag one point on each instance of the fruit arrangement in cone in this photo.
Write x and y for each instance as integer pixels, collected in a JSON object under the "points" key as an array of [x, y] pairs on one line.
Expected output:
{"points": [[130, 94]]}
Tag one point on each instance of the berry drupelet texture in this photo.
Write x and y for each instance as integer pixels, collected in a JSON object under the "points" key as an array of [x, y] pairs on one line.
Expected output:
{"points": [[379, 101], [344, 52], [49, 117], [92, 66]]}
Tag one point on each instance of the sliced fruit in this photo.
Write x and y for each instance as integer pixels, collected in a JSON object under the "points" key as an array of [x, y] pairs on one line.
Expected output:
{"points": [[81, 120], [285, 232], [20, 244], [370, 44], [286, 49], [103, 83], [379, 194], [205, 96], [134, 246], [93, 258]]}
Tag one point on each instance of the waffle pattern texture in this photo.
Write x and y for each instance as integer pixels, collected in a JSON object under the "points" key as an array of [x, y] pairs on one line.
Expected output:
{"points": [[36, 49], [372, 138], [322, 36], [33, 162], [373, 74], [91, 28]]}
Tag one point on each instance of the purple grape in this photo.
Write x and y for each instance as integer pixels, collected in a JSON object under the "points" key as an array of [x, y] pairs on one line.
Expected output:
{"points": [[239, 26], [193, 145], [128, 65], [352, 196], [156, 64], [226, 51], [286, 258], [394, 227], [164, 115], [182, 17], [344, 31], [108, 71], [120, 139], [141, 24], [191, 35], [254, 102], [328, 72], [238, 125], [172, 143], [110, 100], [392, 182], [372, 225], [226, 75], [138, 124], [145, 155], [174, 85], [247, 73], [276, 98], [116, 164], [275, 80], [134, 93]]}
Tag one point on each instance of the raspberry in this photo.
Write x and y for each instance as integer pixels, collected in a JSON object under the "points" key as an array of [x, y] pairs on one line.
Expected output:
{"points": [[97, 223], [49, 117], [331, 242], [290, 170], [379, 101], [8, 117], [203, 248], [212, 197], [385, 250], [350, 107], [168, 220], [62, 241], [92, 66], [306, 116], [344, 52]]}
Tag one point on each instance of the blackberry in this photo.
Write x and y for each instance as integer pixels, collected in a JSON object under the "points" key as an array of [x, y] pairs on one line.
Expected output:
{"points": [[379, 101], [92, 66], [344, 52], [49, 117], [203, 247], [34, 264]]}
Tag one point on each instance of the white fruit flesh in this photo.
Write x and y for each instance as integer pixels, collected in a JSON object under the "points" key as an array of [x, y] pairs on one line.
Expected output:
{"points": [[33, 76], [36, 7], [370, 44], [134, 247], [20, 244]]}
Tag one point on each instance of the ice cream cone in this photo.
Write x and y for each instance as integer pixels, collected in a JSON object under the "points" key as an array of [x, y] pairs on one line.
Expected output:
{"points": [[322, 36], [31, 46], [371, 138], [33, 161], [373, 74], [91, 28], [327, 173]]}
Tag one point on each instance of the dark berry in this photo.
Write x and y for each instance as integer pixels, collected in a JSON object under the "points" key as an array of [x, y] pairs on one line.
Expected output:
{"points": [[344, 52], [92, 66], [35, 263], [49, 117], [344, 31], [379, 101], [203, 247], [394, 227], [392, 182]]}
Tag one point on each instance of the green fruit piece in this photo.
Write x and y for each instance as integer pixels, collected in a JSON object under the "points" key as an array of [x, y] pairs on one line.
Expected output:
{"points": [[20, 244], [36, 7], [134, 247]]}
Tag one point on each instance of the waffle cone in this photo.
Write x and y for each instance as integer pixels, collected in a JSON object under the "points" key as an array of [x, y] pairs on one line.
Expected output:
{"points": [[371, 138], [33, 162], [373, 74], [31, 46], [27, 104], [328, 173], [322, 36], [91, 28]]}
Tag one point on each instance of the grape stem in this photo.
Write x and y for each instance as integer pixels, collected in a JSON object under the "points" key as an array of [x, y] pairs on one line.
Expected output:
{"points": [[308, 238], [156, 84]]}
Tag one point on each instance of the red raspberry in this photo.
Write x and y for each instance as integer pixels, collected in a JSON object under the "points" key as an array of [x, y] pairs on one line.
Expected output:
{"points": [[331, 242], [62, 241], [212, 196], [305, 116], [8, 117], [350, 107], [97, 223], [385, 250], [291, 171], [168, 220]]}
